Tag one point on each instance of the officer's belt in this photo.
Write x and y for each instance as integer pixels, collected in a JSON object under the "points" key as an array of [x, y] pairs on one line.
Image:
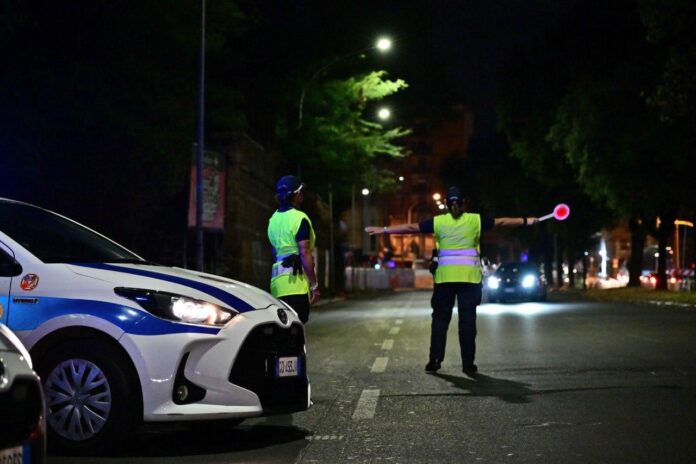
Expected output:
{"points": [[461, 257], [279, 269]]}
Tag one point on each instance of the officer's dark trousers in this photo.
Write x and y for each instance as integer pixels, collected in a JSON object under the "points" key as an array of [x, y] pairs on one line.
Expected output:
{"points": [[300, 303], [468, 297]]}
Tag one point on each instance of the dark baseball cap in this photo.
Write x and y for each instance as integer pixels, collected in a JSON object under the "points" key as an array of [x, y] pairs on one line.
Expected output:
{"points": [[288, 185], [453, 194]]}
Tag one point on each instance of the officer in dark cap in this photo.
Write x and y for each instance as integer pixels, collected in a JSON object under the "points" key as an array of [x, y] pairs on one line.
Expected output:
{"points": [[290, 231], [457, 275]]}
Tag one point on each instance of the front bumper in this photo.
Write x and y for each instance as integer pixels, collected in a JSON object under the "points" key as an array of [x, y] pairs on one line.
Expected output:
{"points": [[235, 367]]}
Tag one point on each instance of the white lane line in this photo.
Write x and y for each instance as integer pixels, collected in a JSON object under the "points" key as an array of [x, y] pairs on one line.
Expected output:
{"points": [[388, 344], [394, 330], [380, 364], [367, 404], [399, 321]]}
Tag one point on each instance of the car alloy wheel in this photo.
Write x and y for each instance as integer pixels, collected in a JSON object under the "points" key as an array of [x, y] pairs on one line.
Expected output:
{"points": [[79, 399]]}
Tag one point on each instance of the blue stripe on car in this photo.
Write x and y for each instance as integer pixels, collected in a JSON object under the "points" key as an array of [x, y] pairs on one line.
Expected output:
{"points": [[234, 302], [131, 320]]}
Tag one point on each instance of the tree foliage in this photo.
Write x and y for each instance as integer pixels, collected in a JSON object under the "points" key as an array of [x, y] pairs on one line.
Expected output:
{"points": [[593, 76], [337, 142]]}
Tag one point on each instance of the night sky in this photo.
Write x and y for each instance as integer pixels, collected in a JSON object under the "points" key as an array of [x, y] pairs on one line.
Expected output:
{"points": [[447, 51]]}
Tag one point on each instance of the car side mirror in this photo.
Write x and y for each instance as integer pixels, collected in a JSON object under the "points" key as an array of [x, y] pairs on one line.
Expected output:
{"points": [[10, 268]]}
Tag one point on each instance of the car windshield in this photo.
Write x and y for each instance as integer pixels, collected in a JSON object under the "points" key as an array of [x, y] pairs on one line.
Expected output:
{"points": [[55, 239], [514, 268]]}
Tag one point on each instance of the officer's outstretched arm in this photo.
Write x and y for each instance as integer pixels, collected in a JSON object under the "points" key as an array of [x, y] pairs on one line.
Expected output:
{"points": [[517, 221], [400, 229]]}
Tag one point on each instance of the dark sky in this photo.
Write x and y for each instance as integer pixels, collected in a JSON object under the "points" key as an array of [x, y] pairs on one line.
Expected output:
{"points": [[448, 51]]}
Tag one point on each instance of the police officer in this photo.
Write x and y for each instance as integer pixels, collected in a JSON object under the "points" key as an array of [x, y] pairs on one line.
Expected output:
{"points": [[458, 273], [290, 232]]}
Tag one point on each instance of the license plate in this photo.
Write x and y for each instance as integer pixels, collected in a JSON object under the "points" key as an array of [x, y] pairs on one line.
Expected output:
{"points": [[11, 456], [288, 367], [509, 290]]}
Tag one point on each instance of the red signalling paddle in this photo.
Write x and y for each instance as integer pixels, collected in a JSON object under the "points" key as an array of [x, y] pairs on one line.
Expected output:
{"points": [[560, 213]]}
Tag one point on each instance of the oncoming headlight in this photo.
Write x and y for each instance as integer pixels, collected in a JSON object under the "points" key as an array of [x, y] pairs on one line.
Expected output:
{"points": [[493, 282], [177, 307], [528, 281]]}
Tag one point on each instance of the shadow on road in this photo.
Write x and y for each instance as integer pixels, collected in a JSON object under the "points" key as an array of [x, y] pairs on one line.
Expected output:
{"points": [[207, 438], [518, 392], [484, 385]]}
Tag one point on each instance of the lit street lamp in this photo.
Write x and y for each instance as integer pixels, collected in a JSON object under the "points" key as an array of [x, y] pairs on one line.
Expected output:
{"points": [[384, 113], [383, 44]]}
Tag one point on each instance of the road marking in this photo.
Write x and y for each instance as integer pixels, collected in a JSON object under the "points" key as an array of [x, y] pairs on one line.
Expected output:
{"points": [[394, 330], [367, 405], [388, 344], [399, 321], [380, 364]]}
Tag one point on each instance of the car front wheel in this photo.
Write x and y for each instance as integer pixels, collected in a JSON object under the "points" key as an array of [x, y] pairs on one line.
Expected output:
{"points": [[90, 397]]}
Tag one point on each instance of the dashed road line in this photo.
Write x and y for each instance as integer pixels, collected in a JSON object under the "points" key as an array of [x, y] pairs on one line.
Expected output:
{"points": [[394, 330], [388, 344], [380, 364], [367, 405], [399, 321]]}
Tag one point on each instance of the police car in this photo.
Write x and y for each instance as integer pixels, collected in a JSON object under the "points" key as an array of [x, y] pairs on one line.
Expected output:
{"points": [[118, 340]]}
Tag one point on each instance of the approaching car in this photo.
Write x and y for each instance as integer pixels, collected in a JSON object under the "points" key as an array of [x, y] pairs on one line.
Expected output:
{"points": [[22, 407], [118, 340], [516, 281]]}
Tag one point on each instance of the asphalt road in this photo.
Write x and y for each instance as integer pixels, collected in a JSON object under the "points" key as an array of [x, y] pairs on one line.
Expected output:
{"points": [[559, 382]]}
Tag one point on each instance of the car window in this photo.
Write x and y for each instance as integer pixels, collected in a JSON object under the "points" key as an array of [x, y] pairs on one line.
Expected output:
{"points": [[55, 239]]}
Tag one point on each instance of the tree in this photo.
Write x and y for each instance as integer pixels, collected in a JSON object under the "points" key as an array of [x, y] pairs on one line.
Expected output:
{"points": [[336, 143], [594, 118]]}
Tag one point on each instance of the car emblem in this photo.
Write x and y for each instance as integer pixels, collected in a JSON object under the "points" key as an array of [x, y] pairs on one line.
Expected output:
{"points": [[29, 282], [282, 315]]}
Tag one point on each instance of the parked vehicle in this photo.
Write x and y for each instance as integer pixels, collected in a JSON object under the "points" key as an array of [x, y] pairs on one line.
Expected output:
{"points": [[516, 281], [22, 407], [118, 340]]}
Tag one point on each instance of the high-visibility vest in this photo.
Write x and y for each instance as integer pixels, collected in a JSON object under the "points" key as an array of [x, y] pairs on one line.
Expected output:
{"points": [[282, 229], [458, 248]]}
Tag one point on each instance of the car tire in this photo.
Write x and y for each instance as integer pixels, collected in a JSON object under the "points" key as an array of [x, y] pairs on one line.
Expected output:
{"points": [[92, 377]]}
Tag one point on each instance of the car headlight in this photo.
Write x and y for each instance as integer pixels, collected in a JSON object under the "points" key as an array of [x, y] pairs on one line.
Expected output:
{"points": [[493, 282], [177, 307], [528, 281]]}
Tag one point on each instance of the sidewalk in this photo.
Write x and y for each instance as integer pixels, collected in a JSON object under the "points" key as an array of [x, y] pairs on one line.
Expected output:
{"points": [[637, 295]]}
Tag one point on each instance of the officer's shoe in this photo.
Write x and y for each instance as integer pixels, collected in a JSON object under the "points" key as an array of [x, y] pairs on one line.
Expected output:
{"points": [[470, 370], [432, 366]]}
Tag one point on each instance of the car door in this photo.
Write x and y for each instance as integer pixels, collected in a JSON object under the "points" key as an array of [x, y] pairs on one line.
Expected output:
{"points": [[8, 270]]}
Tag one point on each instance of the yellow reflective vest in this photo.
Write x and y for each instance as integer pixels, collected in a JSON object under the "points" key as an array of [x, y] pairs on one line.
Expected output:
{"points": [[457, 242], [282, 230]]}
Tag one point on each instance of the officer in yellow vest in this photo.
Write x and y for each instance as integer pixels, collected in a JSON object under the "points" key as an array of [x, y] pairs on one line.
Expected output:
{"points": [[290, 231], [458, 273]]}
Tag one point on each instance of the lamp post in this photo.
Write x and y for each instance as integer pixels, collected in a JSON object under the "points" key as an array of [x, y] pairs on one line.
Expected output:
{"points": [[383, 44], [200, 149]]}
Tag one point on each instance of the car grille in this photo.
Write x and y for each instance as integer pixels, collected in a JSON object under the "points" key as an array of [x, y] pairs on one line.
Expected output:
{"points": [[254, 368]]}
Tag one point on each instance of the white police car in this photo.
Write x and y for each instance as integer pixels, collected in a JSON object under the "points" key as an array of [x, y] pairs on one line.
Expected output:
{"points": [[118, 340]]}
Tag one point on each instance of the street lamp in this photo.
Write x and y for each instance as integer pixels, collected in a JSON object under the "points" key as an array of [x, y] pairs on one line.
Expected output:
{"points": [[200, 148], [383, 44], [365, 192], [384, 113]]}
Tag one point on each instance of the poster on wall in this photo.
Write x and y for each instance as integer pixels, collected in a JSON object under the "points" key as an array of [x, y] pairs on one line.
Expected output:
{"points": [[213, 192]]}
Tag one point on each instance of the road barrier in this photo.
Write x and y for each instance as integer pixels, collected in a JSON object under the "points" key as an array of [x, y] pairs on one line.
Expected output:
{"points": [[363, 278]]}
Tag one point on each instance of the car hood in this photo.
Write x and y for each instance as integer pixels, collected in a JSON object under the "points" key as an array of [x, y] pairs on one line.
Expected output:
{"points": [[215, 289]]}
